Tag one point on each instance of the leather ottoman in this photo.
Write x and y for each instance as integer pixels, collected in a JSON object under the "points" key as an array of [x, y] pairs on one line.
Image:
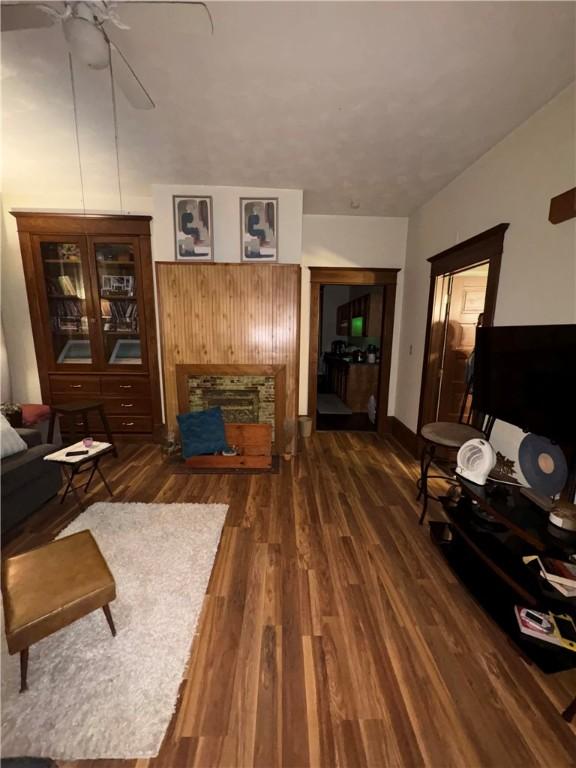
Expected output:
{"points": [[50, 587]]}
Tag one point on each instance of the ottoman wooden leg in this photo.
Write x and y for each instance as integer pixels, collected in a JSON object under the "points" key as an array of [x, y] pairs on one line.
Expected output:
{"points": [[24, 670], [109, 619]]}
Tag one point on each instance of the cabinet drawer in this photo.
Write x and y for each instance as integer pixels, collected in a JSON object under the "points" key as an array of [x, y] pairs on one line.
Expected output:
{"points": [[130, 423], [75, 384], [125, 385], [128, 406]]}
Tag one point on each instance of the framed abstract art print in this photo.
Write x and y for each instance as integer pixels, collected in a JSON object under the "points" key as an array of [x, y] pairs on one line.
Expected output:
{"points": [[194, 238], [259, 228]]}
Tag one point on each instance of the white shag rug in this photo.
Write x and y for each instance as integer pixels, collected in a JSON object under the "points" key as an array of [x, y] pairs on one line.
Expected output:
{"points": [[94, 696]]}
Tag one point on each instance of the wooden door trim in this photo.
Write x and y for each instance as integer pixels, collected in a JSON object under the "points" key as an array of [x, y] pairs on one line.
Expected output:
{"points": [[488, 247], [387, 278], [353, 276]]}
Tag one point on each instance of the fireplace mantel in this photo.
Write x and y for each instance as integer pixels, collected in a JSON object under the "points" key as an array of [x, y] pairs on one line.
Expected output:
{"points": [[278, 372]]}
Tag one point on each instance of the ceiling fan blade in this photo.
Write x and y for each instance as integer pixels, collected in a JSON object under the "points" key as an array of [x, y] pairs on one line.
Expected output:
{"points": [[197, 3], [24, 16], [128, 81]]}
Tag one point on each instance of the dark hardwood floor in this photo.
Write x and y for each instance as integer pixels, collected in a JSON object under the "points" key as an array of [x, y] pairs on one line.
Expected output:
{"points": [[332, 633]]}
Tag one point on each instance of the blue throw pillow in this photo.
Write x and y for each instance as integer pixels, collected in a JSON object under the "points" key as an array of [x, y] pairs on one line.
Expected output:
{"points": [[202, 432]]}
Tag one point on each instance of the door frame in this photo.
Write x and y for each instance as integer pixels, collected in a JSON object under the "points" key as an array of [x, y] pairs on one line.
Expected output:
{"points": [[487, 247], [387, 279]]}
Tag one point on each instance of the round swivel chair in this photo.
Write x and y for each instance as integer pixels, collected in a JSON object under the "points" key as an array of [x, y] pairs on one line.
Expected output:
{"points": [[449, 435]]}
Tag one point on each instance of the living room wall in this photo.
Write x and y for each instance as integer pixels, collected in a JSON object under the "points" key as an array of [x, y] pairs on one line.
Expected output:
{"points": [[350, 241], [226, 220], [513, 182], [313, 240]]}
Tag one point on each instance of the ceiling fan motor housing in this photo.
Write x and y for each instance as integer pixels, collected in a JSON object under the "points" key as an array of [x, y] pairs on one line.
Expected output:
{"points": [[87, 41]]}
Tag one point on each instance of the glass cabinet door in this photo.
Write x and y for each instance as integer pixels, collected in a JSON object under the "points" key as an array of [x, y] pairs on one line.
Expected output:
{"points": [[117, 277], [67, 300]]}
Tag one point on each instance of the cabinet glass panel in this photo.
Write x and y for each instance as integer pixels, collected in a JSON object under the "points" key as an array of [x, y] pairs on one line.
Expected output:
{"points": [[65, 290], [117, 290]]}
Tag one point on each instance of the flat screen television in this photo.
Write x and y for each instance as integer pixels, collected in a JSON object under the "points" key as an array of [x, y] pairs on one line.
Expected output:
{"points": [[526, 375]]}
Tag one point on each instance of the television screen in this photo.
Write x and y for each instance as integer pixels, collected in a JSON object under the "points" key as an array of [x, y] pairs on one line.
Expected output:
{"points": [[526, 375]]}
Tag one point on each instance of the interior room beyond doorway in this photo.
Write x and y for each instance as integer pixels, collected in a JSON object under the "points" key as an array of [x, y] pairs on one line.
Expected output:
{"points": [[350, 340], [459, 300]]}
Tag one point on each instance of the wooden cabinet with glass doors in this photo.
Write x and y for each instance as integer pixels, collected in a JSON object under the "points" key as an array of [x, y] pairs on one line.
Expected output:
{"points": [[90, 290]]}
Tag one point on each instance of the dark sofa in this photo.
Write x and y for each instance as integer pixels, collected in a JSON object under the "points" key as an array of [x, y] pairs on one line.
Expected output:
{"points": [[27, 480]]}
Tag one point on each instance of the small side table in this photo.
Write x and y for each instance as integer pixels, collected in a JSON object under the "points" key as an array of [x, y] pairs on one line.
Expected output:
{"points": [[82, 408], [77, 465]]}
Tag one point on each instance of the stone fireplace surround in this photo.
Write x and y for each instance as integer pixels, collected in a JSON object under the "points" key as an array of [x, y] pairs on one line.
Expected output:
{"points": [[249, 394]]}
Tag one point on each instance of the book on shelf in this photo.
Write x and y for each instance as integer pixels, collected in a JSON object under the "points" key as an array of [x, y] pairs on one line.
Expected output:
{"points": [[69, 316], [118, 313], [67, 287]]}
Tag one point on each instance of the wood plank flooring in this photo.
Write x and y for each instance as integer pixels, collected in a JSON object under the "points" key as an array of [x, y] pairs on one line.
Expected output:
{"points": [[332, 632]]}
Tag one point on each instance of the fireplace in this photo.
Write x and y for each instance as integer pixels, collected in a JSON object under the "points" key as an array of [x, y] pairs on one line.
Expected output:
{"points": [[239, 406], [247, 394]]}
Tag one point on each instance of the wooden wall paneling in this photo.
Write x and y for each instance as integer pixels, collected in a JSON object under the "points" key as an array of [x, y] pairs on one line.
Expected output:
{"points": [[214, 313]]}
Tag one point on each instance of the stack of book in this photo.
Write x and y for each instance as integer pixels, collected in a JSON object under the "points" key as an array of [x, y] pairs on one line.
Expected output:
{"points": [[559, 574], [61, 285], [556, 629], [69, 316], [120, 315]]}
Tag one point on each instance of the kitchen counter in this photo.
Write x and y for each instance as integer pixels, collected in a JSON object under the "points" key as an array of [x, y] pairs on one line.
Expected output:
{"points": [[352, 382], [346, 360]]}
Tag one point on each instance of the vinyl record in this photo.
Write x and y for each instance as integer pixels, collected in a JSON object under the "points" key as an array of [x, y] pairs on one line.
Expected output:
{"points": [[543, 464]]}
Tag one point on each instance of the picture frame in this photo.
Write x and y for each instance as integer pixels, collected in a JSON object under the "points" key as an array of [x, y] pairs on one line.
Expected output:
{"points": [[193, 227], [259, 229]]}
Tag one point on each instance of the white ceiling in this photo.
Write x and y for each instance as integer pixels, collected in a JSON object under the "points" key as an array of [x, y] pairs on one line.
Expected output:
{"points": [[380, 103]]}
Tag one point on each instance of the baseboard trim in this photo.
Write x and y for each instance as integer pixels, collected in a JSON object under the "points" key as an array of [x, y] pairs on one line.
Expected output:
{"points": [[404, 435]]}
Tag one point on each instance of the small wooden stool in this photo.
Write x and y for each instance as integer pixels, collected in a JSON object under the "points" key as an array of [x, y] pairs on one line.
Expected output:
{"points": [[49, 588], [82, 408]]}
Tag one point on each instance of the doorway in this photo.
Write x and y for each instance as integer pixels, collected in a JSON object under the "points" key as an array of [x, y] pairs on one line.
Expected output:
{"points": [[351, 327], [459, 299], [350, 341], [463, 289]]}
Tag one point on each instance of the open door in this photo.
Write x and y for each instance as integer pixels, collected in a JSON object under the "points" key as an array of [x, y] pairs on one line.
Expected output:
{"points": [[463, 288]]}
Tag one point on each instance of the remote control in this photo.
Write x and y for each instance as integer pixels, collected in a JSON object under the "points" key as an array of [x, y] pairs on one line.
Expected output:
{"points": [[76, 453]]}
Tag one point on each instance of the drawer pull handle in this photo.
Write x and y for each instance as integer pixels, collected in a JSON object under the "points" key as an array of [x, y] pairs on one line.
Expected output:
{"points": [[76, 386], [125, 386], [127, 423], [127, 405]]}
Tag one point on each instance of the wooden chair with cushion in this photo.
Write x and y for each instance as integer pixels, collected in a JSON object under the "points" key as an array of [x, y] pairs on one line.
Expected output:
{"points": [[50, 587]]}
